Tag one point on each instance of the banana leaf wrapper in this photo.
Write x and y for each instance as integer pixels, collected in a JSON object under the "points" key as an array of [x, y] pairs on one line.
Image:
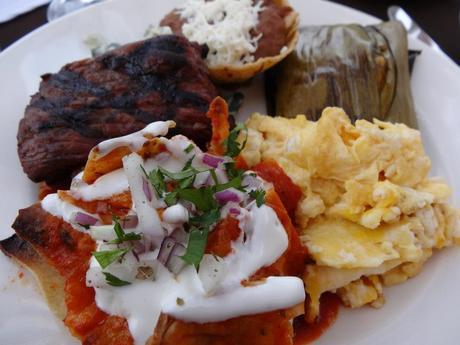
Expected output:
{"points": [[362, 69]]}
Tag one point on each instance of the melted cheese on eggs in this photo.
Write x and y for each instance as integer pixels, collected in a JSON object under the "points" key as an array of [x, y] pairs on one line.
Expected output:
{"points": [[368, 208]]}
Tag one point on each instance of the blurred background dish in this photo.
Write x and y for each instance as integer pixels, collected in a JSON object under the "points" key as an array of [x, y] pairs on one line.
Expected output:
{"points": [[59, 8], [439, 19]]}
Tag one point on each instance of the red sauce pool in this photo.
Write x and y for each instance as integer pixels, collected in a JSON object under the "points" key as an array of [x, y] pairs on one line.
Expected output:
{"points": [[305, 333]]}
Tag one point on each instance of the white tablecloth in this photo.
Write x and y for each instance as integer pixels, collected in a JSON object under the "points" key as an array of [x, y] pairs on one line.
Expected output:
{"points": [[12, 8]]}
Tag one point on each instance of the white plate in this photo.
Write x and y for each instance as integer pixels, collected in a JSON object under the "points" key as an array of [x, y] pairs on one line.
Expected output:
{"points": [[423, 311]]}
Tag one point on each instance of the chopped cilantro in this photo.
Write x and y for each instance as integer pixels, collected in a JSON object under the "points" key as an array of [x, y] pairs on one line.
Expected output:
{"points": [[189, 148], [117, 228], [236, 182], [187, 182], [206, 219], [123, 236], [233, 147], [106, 257], [132, 236], [203, 197], [179, 301], [171, 198], [259, 196], [178, 176], [188, 165], [198, 236], [157, 180], [208, 210], [113, 280], [232, 171], [214, 176], [184, 178], [196, 245]]}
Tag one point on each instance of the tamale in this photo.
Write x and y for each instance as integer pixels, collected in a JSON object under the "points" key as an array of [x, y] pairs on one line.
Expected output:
{"points": [[363, 69]]}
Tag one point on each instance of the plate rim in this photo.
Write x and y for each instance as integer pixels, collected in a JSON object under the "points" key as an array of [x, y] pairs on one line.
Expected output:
{"points": [[49, 26]]}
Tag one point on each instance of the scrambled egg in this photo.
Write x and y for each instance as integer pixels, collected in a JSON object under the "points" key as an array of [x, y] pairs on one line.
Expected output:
{"points": [[370, 215]]}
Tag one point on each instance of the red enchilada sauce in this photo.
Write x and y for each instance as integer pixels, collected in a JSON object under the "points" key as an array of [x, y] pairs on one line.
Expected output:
{"points": [[290, 194], [304, 332], [93, 326]]}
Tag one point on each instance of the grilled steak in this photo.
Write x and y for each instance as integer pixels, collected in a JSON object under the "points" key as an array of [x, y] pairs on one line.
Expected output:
{"points": [[88, 101]]}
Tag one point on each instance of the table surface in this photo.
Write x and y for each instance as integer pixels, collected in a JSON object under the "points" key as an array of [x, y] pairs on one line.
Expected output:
{"points": [[440, 19]]}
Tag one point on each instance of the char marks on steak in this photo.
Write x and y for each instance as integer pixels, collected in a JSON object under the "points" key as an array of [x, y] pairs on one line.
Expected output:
{"points": [[88, 101]]}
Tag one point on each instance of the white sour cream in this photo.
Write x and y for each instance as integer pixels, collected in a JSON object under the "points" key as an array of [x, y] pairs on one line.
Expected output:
{"points": [[135, 140], [176, 214], [142, 302], [105, 186], [59, 208], [216, 294]]}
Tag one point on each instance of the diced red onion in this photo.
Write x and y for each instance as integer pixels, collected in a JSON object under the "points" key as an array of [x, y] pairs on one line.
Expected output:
{"points": [[211, 160], [221, 175], [129, 222], [202, 179], [148, 242], [135, 255], [208, 181], [85, 219], [191, 208], [179, 235], [175, 262], [179, 250], [146, 188], [251, 181], [234, 211], [226, 196], [168, 227], [166, 249], [139, 247]]}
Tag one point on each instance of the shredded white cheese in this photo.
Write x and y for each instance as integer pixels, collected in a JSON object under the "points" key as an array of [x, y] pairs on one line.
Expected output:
{"points": [[225, 26]]}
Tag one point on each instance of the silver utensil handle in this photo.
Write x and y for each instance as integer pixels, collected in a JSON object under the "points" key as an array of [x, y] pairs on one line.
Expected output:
{"points": [[413, 29]]}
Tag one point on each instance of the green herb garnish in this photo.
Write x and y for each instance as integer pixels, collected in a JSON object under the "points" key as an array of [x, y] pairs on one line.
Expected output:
{"points": [[232, 171], [123, 236], [198, 237], [259, 196], [171, 198], [157, 180], [196, 246], [131, 236], [233, 147], [107, 257], [178, 176], [236, 182], [188, 165], [203, 198], [189, 148], [206, 219], [113, 280], [214, 176], [207, 208], [187, 182]]}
